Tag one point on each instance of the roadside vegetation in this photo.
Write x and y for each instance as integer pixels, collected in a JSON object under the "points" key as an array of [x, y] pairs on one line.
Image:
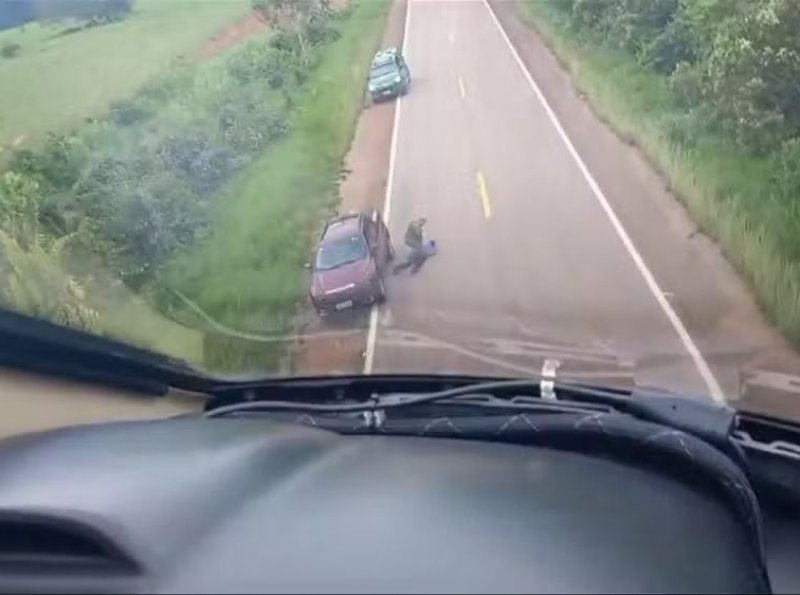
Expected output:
{"points": [[196, 195], [709, 90], [58, 71], [248, 274]]}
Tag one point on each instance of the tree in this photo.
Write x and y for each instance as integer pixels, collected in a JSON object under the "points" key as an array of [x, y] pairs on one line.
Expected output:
{"points": [[99, 11], [750, 67], [298, 18], [738, 60]]}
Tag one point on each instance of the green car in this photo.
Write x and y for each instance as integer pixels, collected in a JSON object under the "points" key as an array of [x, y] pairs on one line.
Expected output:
{"points": [[389, 75]]}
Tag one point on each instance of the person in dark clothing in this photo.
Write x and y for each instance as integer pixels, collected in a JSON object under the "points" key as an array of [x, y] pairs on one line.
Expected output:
{"points": [[416, 245]]}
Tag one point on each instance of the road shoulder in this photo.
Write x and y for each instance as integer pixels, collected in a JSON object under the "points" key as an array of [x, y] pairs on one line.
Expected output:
{"points": [[363, 185]]}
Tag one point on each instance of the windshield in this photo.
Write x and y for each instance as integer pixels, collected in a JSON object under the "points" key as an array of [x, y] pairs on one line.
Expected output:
{"points": [[336, 253], [602, 191], [386, 69]]}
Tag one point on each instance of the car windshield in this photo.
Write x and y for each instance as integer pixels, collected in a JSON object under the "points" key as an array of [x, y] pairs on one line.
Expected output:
{"points": [[335, 253], [381, 70], [597, 190]]}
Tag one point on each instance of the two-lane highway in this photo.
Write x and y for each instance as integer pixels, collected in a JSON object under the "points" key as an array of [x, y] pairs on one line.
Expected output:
{"points": [[531, 252]]}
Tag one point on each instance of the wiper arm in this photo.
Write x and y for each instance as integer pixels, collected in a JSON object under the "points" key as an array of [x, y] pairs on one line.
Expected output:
{"points": [[389, 403], [707, 421]]}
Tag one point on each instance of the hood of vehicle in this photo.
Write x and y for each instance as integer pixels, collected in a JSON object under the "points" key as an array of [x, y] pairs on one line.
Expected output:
{"points": [[342, 279]]}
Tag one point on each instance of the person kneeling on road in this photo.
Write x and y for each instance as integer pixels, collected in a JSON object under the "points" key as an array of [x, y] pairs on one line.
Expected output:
{"points": [[419, 250]]}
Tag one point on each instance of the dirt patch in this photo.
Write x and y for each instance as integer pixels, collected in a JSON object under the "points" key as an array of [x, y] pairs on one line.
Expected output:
{"points": [[251, 25], [366, 168], [339, 5]]}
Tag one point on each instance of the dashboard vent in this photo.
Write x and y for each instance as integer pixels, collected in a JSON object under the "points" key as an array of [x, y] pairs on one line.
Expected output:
{"points": [[57, 542]]}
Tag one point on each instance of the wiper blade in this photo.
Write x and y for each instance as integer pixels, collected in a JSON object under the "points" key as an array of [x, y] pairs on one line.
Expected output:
{"points": [[395, 400], [388, 403], [708, 421]]}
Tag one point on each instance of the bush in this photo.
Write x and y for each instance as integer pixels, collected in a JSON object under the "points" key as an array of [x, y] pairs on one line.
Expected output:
{"points": [[56, 166], [150, 222], [203, 163], [740, 58], [138, 185], [251, 132], [127, 113], [10, 49]]}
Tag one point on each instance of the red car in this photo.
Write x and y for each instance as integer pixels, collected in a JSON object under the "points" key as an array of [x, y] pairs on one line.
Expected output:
{"points": [[352, 257]]}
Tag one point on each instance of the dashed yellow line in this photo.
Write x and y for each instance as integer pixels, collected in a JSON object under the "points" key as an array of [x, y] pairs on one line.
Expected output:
{"points": [[484, 194], [461, 88]]}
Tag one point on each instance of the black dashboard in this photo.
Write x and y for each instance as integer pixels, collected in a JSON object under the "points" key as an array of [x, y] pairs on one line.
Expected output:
{"points": [[251, 505]]}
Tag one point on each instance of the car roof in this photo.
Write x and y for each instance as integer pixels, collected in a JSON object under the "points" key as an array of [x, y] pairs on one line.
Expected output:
{"points": [[343, 226], [385, 57]]}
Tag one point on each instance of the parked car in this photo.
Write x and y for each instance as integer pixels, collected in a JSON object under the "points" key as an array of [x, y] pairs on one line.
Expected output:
{"points": [[389, 75], [351, 259]]}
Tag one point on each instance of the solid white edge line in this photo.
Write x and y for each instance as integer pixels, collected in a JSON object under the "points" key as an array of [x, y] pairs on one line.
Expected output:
{"points": [[700, 363], [372, 333]]}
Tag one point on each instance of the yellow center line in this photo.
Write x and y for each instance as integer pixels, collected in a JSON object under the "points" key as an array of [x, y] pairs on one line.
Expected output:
{"points": [[484, 194], [461, 88]]}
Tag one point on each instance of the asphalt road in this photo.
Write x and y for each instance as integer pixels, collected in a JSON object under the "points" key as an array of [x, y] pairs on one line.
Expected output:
{"points": [[534, 261]]}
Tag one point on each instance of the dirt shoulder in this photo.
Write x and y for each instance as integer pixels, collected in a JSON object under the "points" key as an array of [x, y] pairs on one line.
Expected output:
{"points": [[365, 171], [711, 299], [233, 34]]}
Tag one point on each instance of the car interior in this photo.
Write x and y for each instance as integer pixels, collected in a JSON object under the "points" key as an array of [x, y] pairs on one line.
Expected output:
{"points": [[289, 485]]}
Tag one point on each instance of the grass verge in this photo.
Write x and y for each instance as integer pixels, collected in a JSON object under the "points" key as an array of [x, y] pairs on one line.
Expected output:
{"points": [[249, 274], [57, 80], [736, 199]]}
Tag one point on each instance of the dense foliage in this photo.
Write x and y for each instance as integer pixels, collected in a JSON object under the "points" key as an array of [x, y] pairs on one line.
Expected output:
{"points": [[125, 193], [737, 61]]}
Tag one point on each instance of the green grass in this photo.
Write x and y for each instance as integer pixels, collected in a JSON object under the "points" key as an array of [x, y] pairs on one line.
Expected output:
{"points": [[152, 331], [249, 274], [735, 198], [56, 81]]}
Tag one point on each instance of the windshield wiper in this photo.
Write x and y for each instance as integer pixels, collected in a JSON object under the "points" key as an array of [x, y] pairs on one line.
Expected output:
{"points": [[341, 263], [40, 346], [707, 421]]}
